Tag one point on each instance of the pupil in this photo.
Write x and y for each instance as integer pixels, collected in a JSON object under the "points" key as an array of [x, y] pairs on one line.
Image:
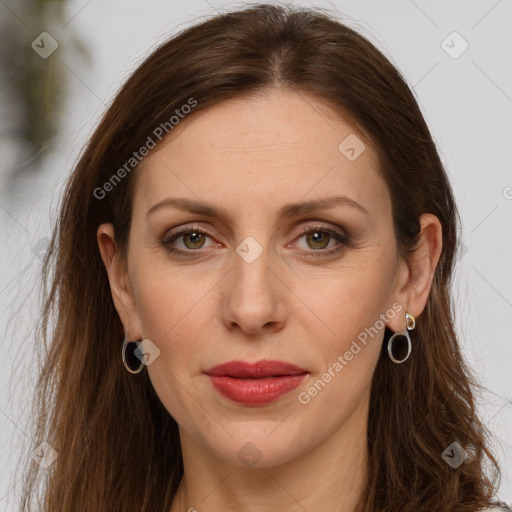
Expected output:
{"points": [[317, 237], [194, 237]]}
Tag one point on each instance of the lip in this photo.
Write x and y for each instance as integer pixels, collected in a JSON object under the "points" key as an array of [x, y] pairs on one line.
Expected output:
{"points": [[256, 383]]}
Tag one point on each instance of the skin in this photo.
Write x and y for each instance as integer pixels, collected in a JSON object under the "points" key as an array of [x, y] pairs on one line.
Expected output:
{"points": [[251, 156]]}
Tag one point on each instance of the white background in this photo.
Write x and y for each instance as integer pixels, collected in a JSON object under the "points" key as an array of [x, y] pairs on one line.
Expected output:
{"points": [[467, 103]]}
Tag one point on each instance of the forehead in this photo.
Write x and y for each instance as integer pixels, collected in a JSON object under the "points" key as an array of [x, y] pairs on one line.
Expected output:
{"points": [[262, 151]]}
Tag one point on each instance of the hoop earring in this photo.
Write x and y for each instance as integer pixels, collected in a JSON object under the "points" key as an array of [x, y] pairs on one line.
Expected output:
{"points": [[410, 323], [130, 360]]}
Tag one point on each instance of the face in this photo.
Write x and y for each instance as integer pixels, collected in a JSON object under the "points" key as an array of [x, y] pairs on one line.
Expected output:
{"points": [[222, 268]]}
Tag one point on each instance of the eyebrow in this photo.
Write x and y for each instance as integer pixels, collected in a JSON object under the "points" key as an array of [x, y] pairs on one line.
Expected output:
{"points": [[288, 210]]}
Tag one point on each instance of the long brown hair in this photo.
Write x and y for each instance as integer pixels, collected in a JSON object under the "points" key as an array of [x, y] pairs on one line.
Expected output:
{"points": [[118, 448]]}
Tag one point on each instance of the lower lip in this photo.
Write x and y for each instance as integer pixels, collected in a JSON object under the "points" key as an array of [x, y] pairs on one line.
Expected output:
{"points": [[263, 390]]}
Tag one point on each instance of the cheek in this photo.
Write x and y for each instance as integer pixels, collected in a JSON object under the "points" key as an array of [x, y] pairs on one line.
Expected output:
{"points": [[353, 306], [345, 303], [171, 304], [341, 384], [172, 310], [181, 400]]}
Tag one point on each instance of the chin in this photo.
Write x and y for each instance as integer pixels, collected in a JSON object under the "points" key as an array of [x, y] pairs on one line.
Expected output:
{"points": [[259, 446]]}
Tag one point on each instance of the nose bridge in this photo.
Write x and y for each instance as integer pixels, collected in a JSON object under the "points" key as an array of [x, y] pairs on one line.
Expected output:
{"points": [[252, 265], [251, 299]]}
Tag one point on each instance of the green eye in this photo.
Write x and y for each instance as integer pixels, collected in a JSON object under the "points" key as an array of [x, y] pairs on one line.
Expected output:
{"points": [[317, 239]]}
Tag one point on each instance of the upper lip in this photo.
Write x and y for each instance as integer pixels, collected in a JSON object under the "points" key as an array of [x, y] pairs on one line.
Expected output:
{"points": [[263, 368]]}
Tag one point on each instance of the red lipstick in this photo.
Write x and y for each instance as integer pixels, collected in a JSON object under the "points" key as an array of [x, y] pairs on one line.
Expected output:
{"points": [[256, 383]]}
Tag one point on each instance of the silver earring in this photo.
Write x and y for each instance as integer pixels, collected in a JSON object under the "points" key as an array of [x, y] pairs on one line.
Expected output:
{"points": [[410, 323], [130, 360]]}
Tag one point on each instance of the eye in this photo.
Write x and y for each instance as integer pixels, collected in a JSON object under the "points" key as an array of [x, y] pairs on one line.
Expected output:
{"points": [[319, 237], [191, 239]]}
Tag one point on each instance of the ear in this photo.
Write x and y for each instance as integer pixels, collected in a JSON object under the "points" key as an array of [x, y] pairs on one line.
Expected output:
{"points": [[120, 286], [414, 278]]}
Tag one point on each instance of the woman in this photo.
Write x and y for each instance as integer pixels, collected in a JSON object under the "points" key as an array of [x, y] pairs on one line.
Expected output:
{"points": [[252, 271]]}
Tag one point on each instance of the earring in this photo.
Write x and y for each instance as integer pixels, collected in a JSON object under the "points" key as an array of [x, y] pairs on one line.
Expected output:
{"points": [[410, 323], [130, 360]]}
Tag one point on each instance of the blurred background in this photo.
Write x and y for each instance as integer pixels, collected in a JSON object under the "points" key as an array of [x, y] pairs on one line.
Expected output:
{"points": [[61, 63]]}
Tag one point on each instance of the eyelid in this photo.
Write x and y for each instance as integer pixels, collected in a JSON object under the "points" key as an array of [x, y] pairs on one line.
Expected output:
{"points": [[332, 231], [187, 228], [210, 230]]}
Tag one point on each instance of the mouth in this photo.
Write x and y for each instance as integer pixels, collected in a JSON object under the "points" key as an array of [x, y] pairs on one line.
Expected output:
{"points": [[257, 383]]}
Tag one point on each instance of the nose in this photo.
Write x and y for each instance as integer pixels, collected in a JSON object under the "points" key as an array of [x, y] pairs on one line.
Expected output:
{"points": [[254, 296]]}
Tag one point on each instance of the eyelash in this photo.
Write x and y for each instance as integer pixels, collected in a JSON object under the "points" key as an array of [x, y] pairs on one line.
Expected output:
{"points": [[344, 240]]}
